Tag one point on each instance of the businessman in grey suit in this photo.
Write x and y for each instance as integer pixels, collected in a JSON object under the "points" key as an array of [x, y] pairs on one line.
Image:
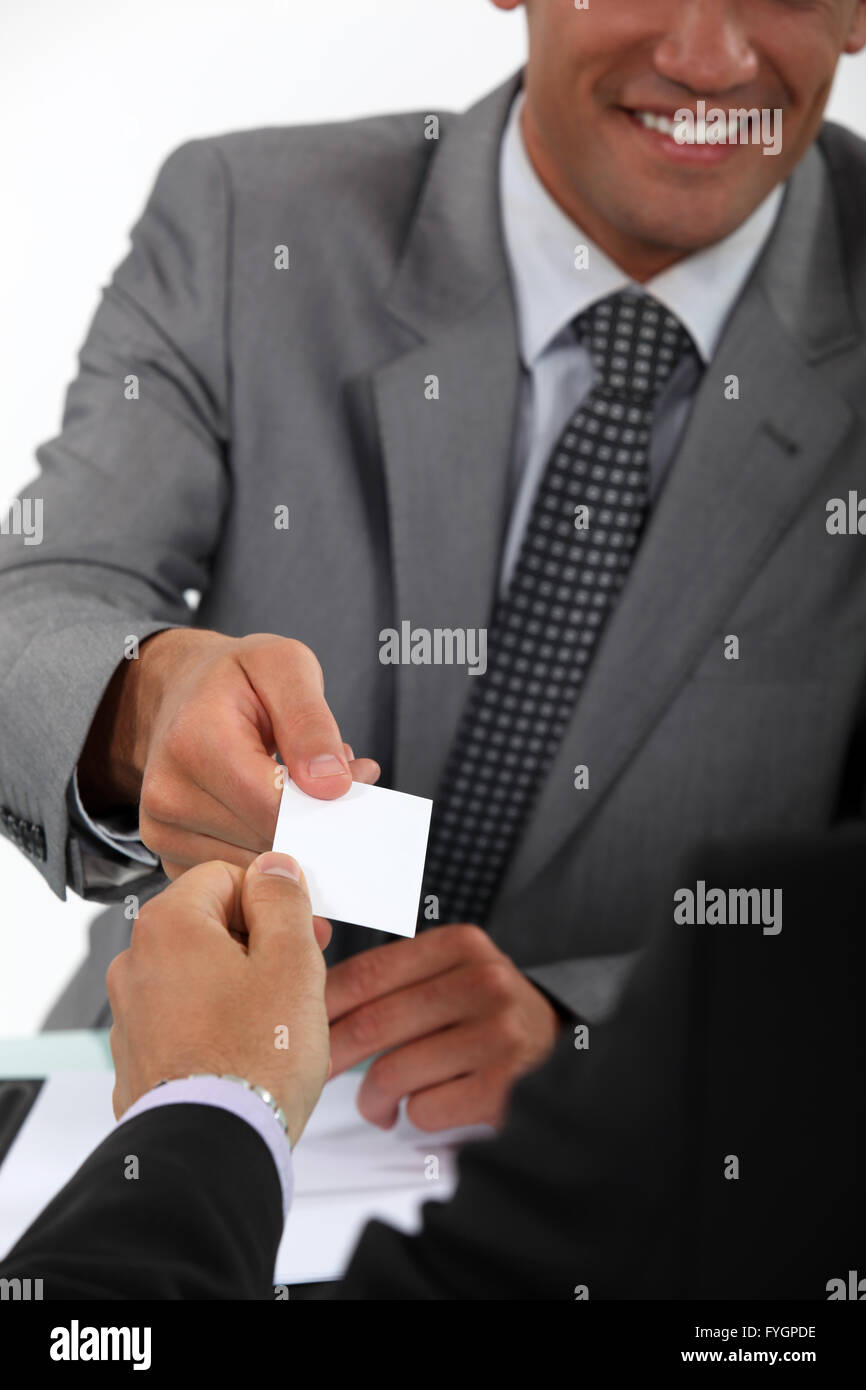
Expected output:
{"points": [[542, 371]]}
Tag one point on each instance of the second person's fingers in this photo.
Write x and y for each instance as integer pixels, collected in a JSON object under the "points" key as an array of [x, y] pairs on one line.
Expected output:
{"points": [[276, 906]]}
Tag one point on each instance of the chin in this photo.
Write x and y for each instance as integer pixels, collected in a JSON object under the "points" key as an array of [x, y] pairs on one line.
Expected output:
{"points": [[686, 232]]}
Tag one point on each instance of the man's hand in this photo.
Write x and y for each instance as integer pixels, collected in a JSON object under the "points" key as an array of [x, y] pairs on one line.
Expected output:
{"points": [[189, 730], [456, 1019], [188, 996]]}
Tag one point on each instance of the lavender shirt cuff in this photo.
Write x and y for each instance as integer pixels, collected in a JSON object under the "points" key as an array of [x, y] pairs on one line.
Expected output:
{"points": [[226, 1095]]}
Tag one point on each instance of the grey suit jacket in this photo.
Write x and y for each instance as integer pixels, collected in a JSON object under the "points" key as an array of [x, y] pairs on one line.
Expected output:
{"points": [[305, 386]]}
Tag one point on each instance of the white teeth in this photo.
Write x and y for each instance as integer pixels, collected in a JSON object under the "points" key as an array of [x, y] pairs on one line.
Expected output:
{"points": [[693, 131], [654, 121]]}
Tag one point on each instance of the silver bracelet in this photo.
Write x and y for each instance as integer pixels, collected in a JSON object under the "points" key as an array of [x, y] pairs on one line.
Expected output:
{"points": [[270, 1101]]}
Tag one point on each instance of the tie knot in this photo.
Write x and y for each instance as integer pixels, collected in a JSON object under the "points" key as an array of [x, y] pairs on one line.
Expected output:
{"points": [[634, 342]]}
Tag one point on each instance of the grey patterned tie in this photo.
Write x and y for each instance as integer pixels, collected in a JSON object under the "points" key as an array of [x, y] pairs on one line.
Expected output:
{"points": [[565, 584]]}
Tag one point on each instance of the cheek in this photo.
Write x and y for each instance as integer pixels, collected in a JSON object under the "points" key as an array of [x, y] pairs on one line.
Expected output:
{"points": [[800, 59], [573, 50], [805, 100]]}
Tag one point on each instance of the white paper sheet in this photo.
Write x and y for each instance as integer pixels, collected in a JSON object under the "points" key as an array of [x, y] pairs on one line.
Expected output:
{"points": [[71, 1115], [363, 854], [346, 1171]]}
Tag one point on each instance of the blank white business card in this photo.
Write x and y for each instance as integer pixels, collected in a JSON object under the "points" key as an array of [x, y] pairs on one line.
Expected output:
{"points": [[363, 854]]}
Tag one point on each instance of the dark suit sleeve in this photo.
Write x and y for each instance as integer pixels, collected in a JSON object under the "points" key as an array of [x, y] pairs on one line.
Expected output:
{"points": [[611, 1178], [574, 1199], [203, 1219]]}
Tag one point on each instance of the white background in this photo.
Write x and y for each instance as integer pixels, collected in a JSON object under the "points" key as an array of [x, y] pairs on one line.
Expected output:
{"points": [[93, 96]]}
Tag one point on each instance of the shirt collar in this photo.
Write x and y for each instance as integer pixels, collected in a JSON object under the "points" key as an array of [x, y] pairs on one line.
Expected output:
{"points": [[540, 240]]}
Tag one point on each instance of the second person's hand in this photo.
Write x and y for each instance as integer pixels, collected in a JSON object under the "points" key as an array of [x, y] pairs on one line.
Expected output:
{"points": [[225, 975]]}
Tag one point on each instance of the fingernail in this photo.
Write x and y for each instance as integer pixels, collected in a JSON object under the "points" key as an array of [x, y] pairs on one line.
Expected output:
{"points": [[326, 765], [376, 1105], [279, 866]]}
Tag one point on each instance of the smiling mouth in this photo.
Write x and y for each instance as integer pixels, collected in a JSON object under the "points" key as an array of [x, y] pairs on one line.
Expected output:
{"points": [[689, 147]]}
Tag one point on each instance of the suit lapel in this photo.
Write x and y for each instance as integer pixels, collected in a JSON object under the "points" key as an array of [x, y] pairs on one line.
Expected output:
{"points": [[744, 470], [447, 465], [447, 460]]}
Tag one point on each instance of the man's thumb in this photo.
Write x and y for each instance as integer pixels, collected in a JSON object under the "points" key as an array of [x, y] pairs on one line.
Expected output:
{"points": [[275, 903]]}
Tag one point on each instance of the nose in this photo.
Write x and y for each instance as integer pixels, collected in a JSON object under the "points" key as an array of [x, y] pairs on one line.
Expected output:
{"points": [[706, 46]]}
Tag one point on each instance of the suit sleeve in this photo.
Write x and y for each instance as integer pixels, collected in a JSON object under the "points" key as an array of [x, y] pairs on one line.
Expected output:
{"points": [[610, 1179], [586, 988], [556, 1206], [202, 1219], [132, 494]]}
